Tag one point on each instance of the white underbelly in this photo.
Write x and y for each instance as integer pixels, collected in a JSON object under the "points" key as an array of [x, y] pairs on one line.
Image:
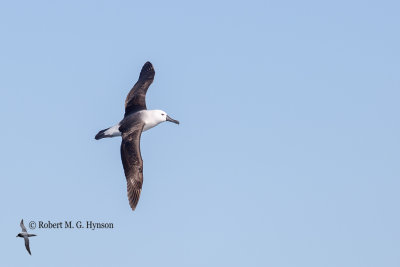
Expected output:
{"points": [[148, 126]]}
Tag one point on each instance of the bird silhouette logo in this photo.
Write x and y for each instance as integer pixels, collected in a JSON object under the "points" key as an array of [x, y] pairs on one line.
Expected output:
{"points": [[24, 234]]}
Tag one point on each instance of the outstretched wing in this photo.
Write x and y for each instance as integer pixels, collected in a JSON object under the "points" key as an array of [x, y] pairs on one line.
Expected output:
{"points": [[136, 99], [23, 226], [133, 163], [27, 244]]}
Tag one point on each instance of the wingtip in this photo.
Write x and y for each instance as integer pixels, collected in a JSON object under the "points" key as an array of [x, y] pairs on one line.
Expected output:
{"points": [[133, 204], [147, 66], [147, 71]]}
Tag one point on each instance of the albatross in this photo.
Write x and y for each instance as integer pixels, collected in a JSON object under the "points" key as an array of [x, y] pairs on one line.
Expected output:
{"points": [[24, 234], [137, 119]]}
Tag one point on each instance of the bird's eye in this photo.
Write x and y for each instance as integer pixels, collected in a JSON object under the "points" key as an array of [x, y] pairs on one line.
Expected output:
{"points": [[162, 114]]}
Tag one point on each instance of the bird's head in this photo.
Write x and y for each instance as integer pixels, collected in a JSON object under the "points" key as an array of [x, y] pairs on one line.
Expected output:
{"points": [[163, 116]]}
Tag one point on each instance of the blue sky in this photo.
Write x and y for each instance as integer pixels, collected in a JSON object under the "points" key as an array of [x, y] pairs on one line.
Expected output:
{"points": [[287, 153]]}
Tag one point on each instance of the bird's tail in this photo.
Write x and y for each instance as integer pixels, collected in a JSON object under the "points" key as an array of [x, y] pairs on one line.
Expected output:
{"points": [[29, 235], [109, 132], [100, 134]]}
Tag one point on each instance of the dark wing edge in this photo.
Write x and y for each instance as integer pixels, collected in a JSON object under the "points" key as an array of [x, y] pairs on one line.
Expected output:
{"points": [[136, 98], [133, 164], [27, 245], [23, 226]]}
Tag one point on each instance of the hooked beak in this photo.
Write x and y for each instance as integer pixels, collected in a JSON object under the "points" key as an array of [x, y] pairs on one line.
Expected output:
{"points": [[172, 120]]}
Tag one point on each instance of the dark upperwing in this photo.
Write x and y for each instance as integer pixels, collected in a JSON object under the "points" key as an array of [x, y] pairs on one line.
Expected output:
{"points": [[132, 163], [23, 226], [27, 245], [136, 99]]}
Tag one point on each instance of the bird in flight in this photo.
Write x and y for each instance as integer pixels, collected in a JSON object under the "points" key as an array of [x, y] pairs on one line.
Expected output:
{"points": [[24, 234], [137, 119]]}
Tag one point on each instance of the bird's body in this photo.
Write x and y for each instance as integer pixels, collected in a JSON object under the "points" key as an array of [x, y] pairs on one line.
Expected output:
{"points": [[137, 119], [148, 117], [24, 234]]}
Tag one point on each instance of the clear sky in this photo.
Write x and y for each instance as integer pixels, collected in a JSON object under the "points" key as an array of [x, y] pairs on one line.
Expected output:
{"points": [[287, 153]]}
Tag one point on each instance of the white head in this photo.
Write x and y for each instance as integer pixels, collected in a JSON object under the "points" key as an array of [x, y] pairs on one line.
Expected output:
{"points": [[161, 116]]}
